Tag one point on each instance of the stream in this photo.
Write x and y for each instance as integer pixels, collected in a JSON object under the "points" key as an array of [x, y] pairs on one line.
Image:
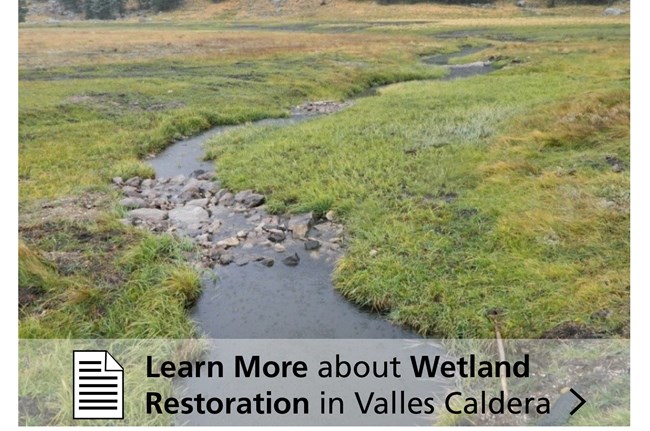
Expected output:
{"points": [[283, 301], [273, 288]]}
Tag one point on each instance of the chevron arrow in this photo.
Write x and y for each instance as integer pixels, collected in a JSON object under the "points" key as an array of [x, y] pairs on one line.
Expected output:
{"points": [[582, 401]]}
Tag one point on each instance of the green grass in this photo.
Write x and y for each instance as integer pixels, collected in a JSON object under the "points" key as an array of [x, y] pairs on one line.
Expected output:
{"points": [[45, 379], [117, 284], [495, 192], [80, 126], [597, 369], [82, 123], [488, 193], [107, 282]]}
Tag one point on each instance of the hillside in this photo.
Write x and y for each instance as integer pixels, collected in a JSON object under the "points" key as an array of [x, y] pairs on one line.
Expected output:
{"points": [[340, 10]]}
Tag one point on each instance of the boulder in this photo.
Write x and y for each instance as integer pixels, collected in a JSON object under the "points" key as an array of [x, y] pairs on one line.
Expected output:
{"points": [[249, 199], [134, 182], [220, 193], [267, 261], [276, 235], [177, 180], [161, 203], [214, 226], [188, 215], [226, 258], [203, 239], [300, 225], [129, 191], [233, 241], [191, 190], [215, 252], [227, 199], [149, 215], [312, 244], [203, 202], [133, 203], [209, 187], [292, 260], [149, 194]]}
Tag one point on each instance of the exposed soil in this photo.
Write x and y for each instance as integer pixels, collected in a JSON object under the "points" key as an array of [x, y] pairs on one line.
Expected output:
{"points": [[84, 207], [121, 101], [28, 295], [570, 330]]}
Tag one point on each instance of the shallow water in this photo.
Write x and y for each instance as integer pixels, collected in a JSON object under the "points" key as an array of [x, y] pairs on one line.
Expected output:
{"points": [[285, 302], [184, 157], [443, 59], [465, 71]]}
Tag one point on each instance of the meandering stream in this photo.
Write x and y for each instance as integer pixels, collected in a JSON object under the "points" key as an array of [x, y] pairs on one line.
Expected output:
{"points": [[282, 301]]}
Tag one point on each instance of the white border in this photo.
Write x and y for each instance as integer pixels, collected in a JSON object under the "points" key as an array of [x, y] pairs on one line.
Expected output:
{"points": [[640, 177]]}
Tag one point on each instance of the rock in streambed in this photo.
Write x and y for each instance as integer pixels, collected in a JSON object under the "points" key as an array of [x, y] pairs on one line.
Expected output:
{"points": [[229, 228]]}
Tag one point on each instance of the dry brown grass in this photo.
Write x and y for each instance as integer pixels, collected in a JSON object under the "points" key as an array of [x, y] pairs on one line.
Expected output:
{"points": [[350, 10], [60, 46], [333, 9]]}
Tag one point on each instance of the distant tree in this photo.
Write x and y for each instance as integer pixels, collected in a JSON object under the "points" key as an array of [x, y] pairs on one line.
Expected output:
{"points": [[104, 9], [22, 10], [550, 3], [72, 5], [462, 2], [159, 5], [588, 2]]}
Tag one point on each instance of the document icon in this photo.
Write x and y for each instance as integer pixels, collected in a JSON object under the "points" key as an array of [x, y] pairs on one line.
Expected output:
{"points": [[98, 385]]}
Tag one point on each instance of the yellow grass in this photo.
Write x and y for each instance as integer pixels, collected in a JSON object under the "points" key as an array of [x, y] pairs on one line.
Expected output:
{"points": [[106, 44], [355, 10], [350, 10]]}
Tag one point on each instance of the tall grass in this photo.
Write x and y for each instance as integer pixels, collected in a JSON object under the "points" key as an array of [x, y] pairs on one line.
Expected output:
{"points": [[489, 193]]}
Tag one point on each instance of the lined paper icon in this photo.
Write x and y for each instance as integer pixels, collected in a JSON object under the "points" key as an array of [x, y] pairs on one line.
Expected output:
{"points": [[98, 385]]}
